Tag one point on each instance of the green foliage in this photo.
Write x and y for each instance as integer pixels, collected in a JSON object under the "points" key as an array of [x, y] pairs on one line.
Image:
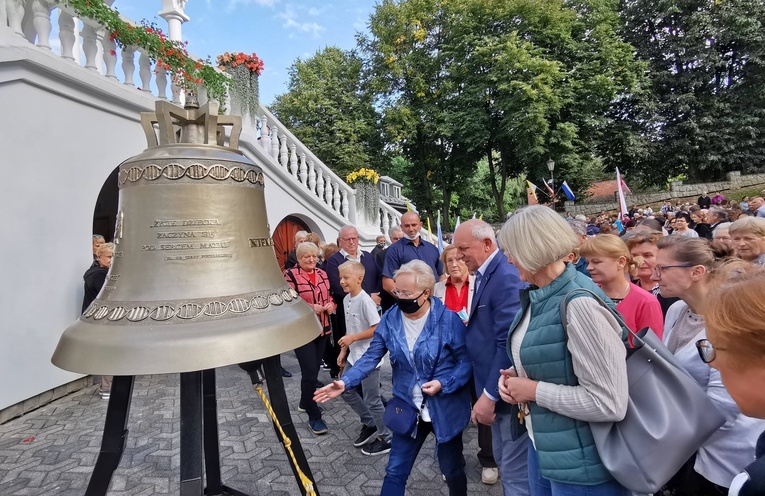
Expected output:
{"points": [[329, 108], [703, 113]]}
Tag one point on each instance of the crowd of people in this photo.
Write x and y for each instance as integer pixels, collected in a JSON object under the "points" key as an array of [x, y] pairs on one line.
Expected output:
{"points": [[476, 334]]}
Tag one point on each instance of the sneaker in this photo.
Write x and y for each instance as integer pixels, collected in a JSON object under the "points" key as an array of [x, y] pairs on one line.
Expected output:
{"points": [[489, 475], [366, 435], [302, 410], [286, 373], [324, 366], [376, 447], [318, 427], [105, 395]]}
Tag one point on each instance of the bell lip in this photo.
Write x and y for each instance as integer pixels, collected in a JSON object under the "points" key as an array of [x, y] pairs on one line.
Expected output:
{"points": [[130, 350]]}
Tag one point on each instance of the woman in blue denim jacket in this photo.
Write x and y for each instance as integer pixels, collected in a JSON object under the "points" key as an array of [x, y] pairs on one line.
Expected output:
{"points": [[412, 332]]}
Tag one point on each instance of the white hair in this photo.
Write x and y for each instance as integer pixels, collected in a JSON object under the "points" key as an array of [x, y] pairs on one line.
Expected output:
{"points": [[423, 274], [482, 230], [305, 247], [300, 236], [536, 236]]}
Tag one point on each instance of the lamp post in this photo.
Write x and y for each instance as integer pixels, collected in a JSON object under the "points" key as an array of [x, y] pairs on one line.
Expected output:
{"points": [[551, 168]]}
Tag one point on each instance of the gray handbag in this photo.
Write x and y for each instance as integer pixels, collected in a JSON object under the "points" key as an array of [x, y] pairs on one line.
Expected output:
{"points": [[668, 416]]}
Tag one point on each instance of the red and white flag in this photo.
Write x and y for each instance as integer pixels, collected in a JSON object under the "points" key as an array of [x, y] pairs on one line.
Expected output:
{"points": [[622, 202]]}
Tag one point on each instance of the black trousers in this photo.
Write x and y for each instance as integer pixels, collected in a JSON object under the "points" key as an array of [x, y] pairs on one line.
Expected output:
{"points": [[688, 482], [309, 357], [332, 350], [485, 449]]}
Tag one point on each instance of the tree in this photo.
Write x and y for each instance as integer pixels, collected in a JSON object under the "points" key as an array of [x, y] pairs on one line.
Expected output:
{"points": [[329, 107], [704, 113]]}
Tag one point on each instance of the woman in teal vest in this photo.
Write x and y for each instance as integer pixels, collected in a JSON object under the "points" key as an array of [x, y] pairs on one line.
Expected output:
{"points": [[563, 379]]}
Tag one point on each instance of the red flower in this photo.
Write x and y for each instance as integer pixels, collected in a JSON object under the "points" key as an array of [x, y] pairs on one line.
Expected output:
{"points": [[114, 54]]}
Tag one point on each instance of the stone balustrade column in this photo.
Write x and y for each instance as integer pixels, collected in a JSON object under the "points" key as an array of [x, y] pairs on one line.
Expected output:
{"points": [[144, 72], [15, 14], [128, 64], [275, 143], [311, 176], [3, 12], [110, 56], [345, 205], [303, 170], [66, 34], [336, 203], [41, 22], [385, 223], [283, 154], [320, 184], [89, 46], [328, 191], [293, 160], [161, 81]]}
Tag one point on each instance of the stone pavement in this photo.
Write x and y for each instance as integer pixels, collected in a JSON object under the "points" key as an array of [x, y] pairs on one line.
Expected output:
{"points": [[52, 451]]}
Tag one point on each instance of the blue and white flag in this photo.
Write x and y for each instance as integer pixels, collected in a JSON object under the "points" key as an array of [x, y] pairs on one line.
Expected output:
{"points": [[439, 234], [567, 191]]}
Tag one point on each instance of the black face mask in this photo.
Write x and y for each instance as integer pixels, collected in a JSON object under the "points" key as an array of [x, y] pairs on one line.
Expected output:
{"points": [[409, 306], [381, 245]]}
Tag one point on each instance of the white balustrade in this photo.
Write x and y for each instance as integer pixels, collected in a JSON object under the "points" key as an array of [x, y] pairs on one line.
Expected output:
{"points": [[311, 176], [89, 46], [15, 9], [263, 132], [110, 56], [275, 143], [128, 64], [328, 192], [41, 22], [3, 13], [346, 206], [385, 222], [144, 72], [283, 152], [66, 35], [320, 184], [293, 160], [161, 80], [303, 170], [336, 204]]}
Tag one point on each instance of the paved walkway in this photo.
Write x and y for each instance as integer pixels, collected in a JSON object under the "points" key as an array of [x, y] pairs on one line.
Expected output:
{"points": [[52, 451]]}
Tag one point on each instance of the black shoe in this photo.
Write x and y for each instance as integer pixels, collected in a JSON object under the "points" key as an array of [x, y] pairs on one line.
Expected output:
{"points": [[334, 374], [366, 435], [286, 373], [319, 384], [318, 427], [376, 447]]}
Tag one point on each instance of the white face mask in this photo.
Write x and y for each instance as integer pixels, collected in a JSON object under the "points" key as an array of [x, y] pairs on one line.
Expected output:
{"points": [[411, 238]]}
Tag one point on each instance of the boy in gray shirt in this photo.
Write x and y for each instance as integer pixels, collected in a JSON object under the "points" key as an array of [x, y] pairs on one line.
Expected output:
{"points": [[361, 319]]}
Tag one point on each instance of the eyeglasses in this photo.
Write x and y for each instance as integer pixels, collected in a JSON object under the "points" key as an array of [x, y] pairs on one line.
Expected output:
{"points": [[707, 352], [406, 295], [356, 239], [658, 269]]}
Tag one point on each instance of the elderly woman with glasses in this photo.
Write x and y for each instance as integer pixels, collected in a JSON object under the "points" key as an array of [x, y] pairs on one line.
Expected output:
{"points": [[431, 367], [456, 291], [683, 269], [735, 317]]}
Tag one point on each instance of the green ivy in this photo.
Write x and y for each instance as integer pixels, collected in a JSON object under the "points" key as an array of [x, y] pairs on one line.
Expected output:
{"points": [[171, 55]]}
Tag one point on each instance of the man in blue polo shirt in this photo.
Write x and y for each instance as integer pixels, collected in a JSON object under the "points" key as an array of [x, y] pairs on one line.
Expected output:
{"points": [[410, 247]]}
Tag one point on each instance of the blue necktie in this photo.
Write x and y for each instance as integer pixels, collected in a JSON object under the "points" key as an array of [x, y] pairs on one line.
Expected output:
{"points": [[478, 277]]}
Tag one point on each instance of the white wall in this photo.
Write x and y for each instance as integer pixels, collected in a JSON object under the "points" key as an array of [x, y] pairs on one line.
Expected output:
{"points": [[64, 129]]}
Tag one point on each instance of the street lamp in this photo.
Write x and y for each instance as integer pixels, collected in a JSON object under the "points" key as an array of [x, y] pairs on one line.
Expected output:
{"points": [[551, 168]]}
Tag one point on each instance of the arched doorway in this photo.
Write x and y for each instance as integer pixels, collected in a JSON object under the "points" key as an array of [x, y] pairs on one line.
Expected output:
{"points": [[105, 213], [284, 237]]}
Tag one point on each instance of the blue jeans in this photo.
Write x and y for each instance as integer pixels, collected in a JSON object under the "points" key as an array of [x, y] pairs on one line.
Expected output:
{"points": [[370, 408], [544, 487], [404, 450], [510, 456]]}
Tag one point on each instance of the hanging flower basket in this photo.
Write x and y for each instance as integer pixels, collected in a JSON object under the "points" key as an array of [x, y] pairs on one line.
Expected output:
{"points": [[244, 70], [367, 195]]}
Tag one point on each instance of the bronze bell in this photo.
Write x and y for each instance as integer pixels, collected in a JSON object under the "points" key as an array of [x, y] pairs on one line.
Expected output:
{"points": [[194, 282]]}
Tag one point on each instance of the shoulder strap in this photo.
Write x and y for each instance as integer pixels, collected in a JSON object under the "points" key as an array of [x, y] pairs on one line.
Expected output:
{"points": [[292, 276], [572, 294]]}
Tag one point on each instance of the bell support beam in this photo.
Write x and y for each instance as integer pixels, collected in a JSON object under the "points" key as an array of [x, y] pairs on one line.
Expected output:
{"points": [[115, 436]]}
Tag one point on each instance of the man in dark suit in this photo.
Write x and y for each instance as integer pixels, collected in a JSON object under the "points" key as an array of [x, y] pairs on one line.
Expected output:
{"points": [[348, 239], [495, 303]]}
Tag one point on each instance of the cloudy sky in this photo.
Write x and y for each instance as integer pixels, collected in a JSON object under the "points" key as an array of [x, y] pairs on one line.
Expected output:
{"points": [[279, 31]]}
